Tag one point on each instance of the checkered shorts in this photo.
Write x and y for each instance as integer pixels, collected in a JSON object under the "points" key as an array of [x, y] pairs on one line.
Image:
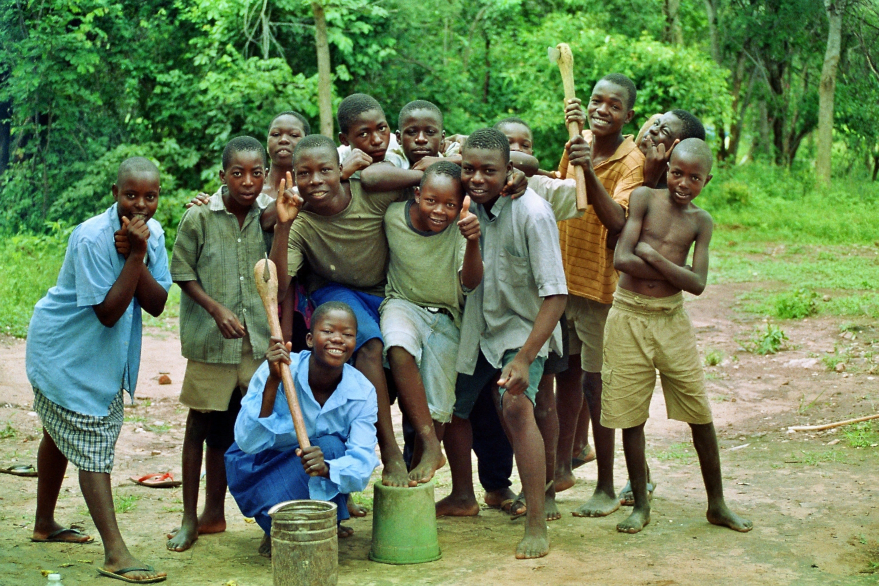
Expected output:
{"points": [[88, 442]]}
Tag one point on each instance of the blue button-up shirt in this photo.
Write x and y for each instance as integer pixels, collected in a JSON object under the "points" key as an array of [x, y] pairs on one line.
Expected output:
{"points": [[76, 361], [349, 414]]}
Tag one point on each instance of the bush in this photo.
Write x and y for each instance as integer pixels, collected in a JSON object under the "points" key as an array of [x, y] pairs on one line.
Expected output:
{"points": [[796, 304]]}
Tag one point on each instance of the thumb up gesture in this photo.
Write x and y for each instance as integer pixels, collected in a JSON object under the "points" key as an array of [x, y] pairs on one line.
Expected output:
{"points": [[468, 224]]}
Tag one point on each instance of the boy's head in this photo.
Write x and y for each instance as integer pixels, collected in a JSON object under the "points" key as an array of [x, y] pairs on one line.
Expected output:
{"points": [[611, 105], [244, 165], [420, 130], [136, 190], [316, 169], [485, 162], [518, 133], [333, 334], [689, 170], [671, 126], [438, 198], [285, 131], [363, 126]]}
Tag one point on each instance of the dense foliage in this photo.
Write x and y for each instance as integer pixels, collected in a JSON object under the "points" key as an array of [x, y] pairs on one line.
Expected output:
{"points": [[87, 83]]}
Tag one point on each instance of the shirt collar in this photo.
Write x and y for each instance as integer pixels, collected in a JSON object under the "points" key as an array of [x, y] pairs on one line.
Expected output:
{"points": [[622, 151], [347, 389], [113, 217], [499, 205]]}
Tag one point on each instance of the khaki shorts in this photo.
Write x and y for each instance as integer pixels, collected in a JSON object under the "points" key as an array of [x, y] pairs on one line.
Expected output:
{"points": [[643, 335], [209, 387], [586, 319]]}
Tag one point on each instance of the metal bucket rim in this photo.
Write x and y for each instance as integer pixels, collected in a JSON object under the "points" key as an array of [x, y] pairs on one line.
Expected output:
{"points": [[315, 506]]}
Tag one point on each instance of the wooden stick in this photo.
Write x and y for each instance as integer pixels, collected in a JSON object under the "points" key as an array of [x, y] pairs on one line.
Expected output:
{"points": [[266, 277], [566, 67], [832, 425]]}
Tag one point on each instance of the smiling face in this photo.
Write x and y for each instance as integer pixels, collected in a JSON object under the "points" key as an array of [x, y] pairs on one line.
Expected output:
{"points": [[370, 133], [665, 131], [333, 338], [421, 135], [608, 110], [483, 174], [244, 178], [137, 194], [318, 175], [284, 134], [519, 136], [688, 174], [438, 203]]}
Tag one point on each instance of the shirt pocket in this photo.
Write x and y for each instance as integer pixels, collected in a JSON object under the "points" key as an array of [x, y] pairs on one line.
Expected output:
{"points": [[514, 269]]}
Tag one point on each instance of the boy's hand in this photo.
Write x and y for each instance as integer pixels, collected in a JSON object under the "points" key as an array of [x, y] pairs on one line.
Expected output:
{"points": [[514, 376], [202, 199], [516, 185], [580, 152], [228, 323], [355, 161], [120, 238], [656, 162], [289, 202], [468, 223], [426, 162], [574, 113], [645, 251], [278, 354], [313, 461], [138, 235]]}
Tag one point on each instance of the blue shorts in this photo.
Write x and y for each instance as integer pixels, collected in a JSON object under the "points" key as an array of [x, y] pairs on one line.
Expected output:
{"points": [[469, 386], [364, 305]]}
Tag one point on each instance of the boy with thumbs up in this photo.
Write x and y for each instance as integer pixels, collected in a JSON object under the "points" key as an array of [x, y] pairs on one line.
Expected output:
{"points": [[432, 266]]}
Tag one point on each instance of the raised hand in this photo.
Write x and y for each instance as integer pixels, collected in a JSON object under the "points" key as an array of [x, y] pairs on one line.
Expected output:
{"points": [[514, 376], [313, 461], [355, 161], [574, 113], [656, 163], [468, 223], [579, 152], [202, 199], [516, 184], [278, 354], [120, 238], [228, 323], [289, 201], [425, 162], [138, 235]]}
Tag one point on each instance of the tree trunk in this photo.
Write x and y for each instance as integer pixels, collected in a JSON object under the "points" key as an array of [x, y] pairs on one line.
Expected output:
{"points": [[875, 166], [711, 11], [673, 33], [5, 134], [826, 88], [324, 79]]}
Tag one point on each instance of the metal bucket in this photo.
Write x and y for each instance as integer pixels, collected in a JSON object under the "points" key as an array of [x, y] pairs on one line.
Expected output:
{"points": [[305, 544], [404, 525]]}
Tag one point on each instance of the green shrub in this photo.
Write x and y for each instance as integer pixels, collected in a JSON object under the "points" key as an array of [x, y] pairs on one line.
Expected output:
{"points": [[769, 341], [796, 304]]}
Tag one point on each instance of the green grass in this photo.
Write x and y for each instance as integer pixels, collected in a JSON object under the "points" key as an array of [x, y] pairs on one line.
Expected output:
{"points": [[8, 432], [125, 503], [772, 340], [713, 357], [861, 435], [680, 451]]}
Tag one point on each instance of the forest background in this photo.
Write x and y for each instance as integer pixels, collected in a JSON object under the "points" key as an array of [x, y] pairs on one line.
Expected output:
{"points": [[85, 84]]}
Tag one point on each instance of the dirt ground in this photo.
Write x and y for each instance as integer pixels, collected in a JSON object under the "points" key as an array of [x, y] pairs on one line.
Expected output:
{"points": [[812, 496]]}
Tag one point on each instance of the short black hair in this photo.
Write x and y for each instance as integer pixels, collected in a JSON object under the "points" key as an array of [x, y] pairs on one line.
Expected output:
{"points": [[241, 144], [306, 127], [691, 127], [696, 147], [352, 107], [135, 165], [441, 168], [511, 120], [418, 105], [313, 142], [625, 83], [327, 307], [490, 139]]}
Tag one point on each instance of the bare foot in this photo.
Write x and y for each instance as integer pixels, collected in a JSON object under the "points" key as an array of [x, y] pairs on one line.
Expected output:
{"points": [[58, 534], [137, 571], [627, 497], [394, 473], [726, 518], [431, 461], [600, 505], [207, 525], [265, 547], [345, 531], [552, 509], [455, 506], [183, 538], [564, 480], [354, 509], [635, 522], [533, 545]]}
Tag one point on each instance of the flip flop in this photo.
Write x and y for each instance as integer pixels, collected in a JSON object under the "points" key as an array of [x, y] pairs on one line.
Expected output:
{"points": [[627, 490], [504, 506], [119, 575], [20, 470], [55, 536], [586, 455], [522, 507], [165, 480]]}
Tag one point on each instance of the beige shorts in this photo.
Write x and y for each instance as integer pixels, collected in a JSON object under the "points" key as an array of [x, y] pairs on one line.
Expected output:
{"points": [[209, 387], [586, 320], [643, 335]]}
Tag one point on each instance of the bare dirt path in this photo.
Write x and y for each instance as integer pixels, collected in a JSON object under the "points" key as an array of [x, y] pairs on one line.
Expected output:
{"points": [[812, 497]]}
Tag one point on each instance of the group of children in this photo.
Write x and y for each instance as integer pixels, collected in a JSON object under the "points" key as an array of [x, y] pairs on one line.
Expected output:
{"points": [[378, 244]]}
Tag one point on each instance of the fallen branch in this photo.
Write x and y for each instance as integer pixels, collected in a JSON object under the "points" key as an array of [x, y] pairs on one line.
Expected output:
{"points": [[832, 425]]}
